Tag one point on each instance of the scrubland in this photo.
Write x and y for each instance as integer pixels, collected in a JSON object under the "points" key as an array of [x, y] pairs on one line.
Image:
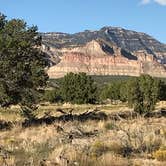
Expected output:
{"points": [[138, 141]]}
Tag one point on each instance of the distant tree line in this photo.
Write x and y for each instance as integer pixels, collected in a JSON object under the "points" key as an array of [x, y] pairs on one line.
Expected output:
{"points": [[141, 93], [74, 88]]}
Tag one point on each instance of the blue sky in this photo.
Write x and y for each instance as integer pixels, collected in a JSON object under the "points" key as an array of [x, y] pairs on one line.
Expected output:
{"points": [[72, 16]]}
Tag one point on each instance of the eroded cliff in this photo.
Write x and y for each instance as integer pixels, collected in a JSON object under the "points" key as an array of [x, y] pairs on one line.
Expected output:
{"points": [[110, 51]]}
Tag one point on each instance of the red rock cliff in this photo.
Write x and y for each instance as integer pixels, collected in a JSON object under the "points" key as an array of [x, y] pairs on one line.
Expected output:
{"points": [[98, 58]]}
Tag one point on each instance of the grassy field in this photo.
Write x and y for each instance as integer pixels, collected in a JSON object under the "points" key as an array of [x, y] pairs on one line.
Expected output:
{"points": [[124, 142]]}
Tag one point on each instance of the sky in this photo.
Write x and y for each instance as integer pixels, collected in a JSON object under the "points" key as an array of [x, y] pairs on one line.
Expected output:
{"points": [[73, 16]]}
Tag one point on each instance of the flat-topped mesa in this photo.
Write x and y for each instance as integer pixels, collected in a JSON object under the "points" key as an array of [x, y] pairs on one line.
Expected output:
{"points": [[92, 60], [110, 51]]}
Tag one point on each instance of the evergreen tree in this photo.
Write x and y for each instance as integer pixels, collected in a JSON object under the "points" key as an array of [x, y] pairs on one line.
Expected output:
{"points": [[143, 93], [111, 91], [134, 96], [124, 91], [162, 90], [78, 88], [22, 64], [52, 96]]}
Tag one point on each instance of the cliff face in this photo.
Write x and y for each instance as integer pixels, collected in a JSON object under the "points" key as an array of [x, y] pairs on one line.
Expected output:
{"points": [[110, 51]]}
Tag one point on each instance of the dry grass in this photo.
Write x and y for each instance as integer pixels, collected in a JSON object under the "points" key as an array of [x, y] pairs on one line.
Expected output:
{"points": [[137, 142], [13, 113], [160, 154]]}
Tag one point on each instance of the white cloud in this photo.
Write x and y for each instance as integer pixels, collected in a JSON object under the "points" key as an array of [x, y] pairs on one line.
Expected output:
{"points": [[160, 2], [144, 2]]}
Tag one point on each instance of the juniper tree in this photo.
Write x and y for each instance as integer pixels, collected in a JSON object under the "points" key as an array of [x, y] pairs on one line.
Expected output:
{"points": [[22, 64], [143, 93], [78, 88]]}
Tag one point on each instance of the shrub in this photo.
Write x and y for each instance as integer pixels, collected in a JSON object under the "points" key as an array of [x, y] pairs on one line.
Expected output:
{"points": [[98, 148], [52, 96], [143, 93], [109, 126], [78, 88], [111, 91], [116, 148], [160, 155]]}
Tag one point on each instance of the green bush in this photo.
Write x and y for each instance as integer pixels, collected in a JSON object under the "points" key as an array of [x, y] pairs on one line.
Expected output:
{"points": [[52, 96], [162, 90], [143, 93], [78, 88], [111, 91]]}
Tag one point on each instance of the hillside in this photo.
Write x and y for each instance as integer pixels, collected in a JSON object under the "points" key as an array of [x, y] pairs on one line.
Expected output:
{"points": [[109, 51]]}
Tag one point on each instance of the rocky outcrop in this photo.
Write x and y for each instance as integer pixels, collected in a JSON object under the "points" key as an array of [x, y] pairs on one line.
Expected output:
{"points": [[92, 60], [110, 51]]}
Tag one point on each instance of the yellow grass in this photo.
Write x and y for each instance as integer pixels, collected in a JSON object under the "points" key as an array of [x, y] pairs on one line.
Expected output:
{"points": [[134, 142]]}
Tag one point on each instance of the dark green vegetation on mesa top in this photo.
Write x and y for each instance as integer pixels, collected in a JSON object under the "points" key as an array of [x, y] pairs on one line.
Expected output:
{"points": [[125, 39]]}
